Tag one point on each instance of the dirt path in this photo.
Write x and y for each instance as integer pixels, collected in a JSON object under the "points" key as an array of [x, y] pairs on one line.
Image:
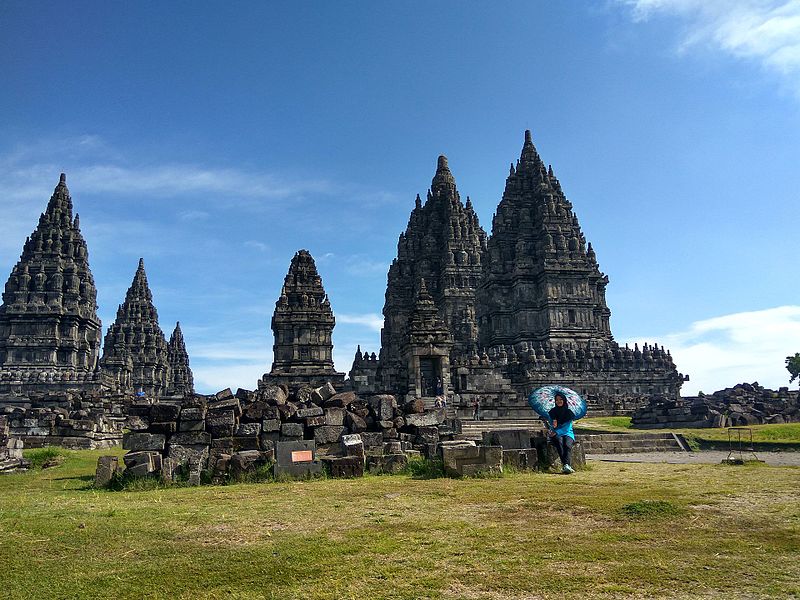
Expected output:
{"points": [[776, 459]]}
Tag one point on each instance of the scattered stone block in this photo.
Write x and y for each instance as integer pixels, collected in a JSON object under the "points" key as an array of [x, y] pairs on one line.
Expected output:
{"points": [[107, 467], [463, 458], [312, 411], [184, 425], [296, 459], [341, 400], [137, 441], [167, 427], [328, 434], [334, 416], [355, 423], [247, 429], [268, 425], [352, 445], [521, 459], [220, 424], [160, 413], [345, 466], [141, 464], [509, 439], [386, 463], [292, 430], [232, 404], [430, 418], [191, 438], [193, 414]]}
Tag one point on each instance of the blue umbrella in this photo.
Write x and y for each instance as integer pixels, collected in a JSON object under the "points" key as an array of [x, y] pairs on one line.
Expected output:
{"points": [[544, 398]]}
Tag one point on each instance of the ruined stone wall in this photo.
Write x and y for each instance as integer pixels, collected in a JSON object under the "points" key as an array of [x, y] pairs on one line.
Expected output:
{"points": [[744, 404], [79, 420], [225, 434]]}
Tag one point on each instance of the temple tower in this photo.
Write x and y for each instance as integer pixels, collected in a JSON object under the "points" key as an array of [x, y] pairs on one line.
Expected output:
{"points": [[302, 326], [541, 282], [135, 350], [181, 381], [426, 349], [49, 330], [443, 244]]}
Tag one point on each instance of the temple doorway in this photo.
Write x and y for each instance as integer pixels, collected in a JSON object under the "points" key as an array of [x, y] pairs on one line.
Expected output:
{"points": [[430, 371]]}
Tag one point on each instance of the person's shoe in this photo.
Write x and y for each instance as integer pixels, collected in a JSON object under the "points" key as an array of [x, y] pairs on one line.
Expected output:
{"points": [[568, 469]]}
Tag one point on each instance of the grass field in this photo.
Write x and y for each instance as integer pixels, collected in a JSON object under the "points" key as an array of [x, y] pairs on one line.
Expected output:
{"points": [[613, 530], [784, 436]]}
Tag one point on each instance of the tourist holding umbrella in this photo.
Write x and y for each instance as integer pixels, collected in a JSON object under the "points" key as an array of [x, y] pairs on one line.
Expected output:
{"points": [[560, 406], [561, 434]]}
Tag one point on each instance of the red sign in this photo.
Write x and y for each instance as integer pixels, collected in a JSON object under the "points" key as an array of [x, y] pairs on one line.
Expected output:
{"points": [[302, 456]]}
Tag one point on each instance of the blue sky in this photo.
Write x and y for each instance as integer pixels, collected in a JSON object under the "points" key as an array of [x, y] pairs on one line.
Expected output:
{"points": [[215, 141]]}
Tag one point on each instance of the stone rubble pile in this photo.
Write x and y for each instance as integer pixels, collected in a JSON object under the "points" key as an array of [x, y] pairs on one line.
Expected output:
{"points": [[10, 450], [227, 435], [73, 420], [743, 404]]}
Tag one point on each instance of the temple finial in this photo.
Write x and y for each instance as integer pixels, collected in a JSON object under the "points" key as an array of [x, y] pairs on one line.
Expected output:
{"points": [[442, 163], [63, 178], [528, 139]]}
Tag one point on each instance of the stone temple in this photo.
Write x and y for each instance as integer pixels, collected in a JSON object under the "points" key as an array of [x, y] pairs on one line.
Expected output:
{"points": [[523, 308], [302, 327], [486, 317], [49, 330]]}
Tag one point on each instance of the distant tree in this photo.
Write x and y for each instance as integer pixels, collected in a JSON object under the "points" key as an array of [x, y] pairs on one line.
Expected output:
{"points": [[793, 366]]}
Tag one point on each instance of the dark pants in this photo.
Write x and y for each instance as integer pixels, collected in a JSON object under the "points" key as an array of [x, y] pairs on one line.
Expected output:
{"points": [[563, 444]]}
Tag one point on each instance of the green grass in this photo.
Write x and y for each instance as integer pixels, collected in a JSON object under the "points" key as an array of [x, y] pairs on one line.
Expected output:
{"points": [[783, 436], [44, 457], [733, 532]]}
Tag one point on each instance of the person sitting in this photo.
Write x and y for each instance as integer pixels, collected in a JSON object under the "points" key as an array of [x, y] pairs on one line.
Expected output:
{"points": [[561, 435]]}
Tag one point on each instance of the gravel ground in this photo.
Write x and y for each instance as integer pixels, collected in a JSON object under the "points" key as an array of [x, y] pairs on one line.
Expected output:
{"points": [[776, 459]]}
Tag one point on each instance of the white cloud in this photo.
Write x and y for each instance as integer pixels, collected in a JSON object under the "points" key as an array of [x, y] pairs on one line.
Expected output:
{"points": [[766, 31], [737, 348], [372, 321]]}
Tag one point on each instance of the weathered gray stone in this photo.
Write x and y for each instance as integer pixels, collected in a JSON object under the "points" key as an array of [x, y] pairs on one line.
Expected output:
{"points": [[164, 412], [141, 464], [427, 419], [459, 459], [334, 416], [292, 430], [352, 445], [328, 434], [187, 455], [296, 459], [193, 414], [137, 442], [387, 463], [345, 466], [355, 423], [221, 423], [191, 438], [312, 411], [107, 467], [341, 400], [268, 425], [184, 425], [247, 429]]}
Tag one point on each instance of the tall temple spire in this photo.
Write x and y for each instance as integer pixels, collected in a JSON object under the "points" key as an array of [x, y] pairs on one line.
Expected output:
{"points": [[135, 351], [302, 327], [537, 245], [49, 329], [181, 380], [443, 244]]}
